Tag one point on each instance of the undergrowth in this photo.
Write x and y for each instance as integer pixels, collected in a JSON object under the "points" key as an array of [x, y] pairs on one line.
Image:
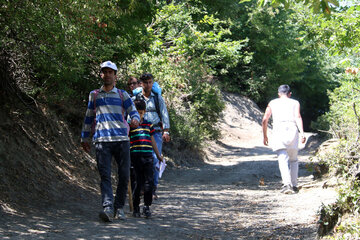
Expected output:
{"points": [[342, 219]]}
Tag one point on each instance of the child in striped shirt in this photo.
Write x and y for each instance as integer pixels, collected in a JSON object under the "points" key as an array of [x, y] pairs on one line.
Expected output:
{"points": [[142, 144]]}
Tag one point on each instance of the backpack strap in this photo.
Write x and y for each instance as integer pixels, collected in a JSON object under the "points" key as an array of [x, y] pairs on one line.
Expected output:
{"points": [[157, 105], [123, 111], [140, 96], [122, 101]]}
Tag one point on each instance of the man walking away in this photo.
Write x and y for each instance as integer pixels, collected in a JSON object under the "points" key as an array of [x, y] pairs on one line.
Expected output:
{"points": [[287, 123], [108, 106]]}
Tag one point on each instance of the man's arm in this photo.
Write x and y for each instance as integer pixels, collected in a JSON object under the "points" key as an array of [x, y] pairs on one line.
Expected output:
{"points": [[156, 150], [165, 119], [87, 124], [299, 123], [131, 110], [265, 121]]}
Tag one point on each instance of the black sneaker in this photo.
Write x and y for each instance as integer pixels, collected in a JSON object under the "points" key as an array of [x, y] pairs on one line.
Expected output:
{"points": [[136, 212], [287, 189], [295, 189], [107, 215], [146, 211]]}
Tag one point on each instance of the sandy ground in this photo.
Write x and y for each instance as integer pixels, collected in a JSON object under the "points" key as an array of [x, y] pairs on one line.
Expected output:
{"points": [[233, 195]]}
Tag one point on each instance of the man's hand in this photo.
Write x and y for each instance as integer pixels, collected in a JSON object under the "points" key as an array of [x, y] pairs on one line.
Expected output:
{"points": [[266, 141], [303, 139], [166, 137], [134, 123], [86, 146]]}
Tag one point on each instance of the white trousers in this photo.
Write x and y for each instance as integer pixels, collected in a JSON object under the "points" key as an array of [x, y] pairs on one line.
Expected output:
{"points": [[288, 165]]}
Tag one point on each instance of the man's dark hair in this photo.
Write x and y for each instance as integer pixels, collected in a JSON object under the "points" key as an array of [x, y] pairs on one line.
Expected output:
{"points": [[146, 76], [284, 89], [133, 78], [140, 104]]}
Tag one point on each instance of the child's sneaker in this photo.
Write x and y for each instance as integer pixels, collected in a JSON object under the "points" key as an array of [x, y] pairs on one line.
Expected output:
{"points": [[120, 214], [136, 212], [146, 211]]}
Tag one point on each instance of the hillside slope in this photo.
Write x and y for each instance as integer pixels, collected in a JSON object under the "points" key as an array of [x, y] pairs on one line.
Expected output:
{"points": [[41, 162]]}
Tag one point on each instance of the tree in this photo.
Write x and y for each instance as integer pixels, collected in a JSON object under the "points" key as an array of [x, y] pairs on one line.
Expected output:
{"points": [[62, 42], [317, 5]]}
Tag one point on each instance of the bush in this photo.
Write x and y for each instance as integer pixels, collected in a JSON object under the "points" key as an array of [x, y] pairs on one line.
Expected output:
{"points": [[344, 123]]}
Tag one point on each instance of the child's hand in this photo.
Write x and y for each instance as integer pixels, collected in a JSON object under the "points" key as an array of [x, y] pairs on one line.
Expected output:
{"points": [[161, 159]]}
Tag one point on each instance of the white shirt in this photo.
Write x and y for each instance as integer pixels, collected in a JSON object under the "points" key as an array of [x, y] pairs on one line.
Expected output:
{"points": [[285, 131]]}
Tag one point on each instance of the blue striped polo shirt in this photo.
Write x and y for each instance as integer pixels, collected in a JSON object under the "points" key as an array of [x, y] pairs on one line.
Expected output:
{"points": [[110, 125]]}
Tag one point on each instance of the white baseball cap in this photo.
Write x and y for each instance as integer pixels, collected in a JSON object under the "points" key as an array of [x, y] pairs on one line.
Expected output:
{"points": [[108, 64]]}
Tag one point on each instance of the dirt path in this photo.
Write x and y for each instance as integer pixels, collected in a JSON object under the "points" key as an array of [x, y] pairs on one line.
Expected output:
{"points": [[222, 199]]}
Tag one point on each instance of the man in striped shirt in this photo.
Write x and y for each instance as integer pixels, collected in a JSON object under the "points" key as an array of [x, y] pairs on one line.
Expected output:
{"points": [[108, 106], [142, 144]]}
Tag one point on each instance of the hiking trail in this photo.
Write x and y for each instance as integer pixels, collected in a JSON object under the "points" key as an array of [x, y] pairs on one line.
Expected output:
{"points": [[233, 195]]}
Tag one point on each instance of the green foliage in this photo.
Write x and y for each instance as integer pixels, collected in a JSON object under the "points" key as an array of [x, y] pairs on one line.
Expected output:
{"points": [[194, 103], [324, 6], [338, 32], [192, 47], [342, 118], [187, 46], [64, 41], [344, 123], [280, 56], [348, 229]]}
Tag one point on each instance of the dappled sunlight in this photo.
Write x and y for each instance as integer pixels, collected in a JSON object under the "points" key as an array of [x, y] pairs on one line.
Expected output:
{"points": [[233, 194]]}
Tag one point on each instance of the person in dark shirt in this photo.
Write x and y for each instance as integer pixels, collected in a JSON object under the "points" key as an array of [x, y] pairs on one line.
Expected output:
{"points": [[142, 144]]}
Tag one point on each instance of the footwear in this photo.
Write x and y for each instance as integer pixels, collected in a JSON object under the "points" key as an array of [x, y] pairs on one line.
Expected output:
{"points": [[295, 189], [107, 215], [120, 214], [146, 211], [155, 196], [136, 212], [287, 189]]}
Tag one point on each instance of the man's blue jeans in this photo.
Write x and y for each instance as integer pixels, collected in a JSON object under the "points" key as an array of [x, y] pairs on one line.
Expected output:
{"points": [[121, 153], [158, 140]]}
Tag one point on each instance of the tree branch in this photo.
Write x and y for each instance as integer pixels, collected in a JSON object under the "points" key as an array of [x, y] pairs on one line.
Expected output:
{"points": [[358, 120]]}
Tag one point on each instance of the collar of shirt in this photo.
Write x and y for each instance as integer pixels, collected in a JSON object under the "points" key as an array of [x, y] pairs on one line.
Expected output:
{"points": [[114, 90], [151, 95]]}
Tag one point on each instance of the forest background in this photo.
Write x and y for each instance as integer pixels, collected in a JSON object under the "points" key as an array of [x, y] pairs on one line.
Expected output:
{"points": [[51, 50]]}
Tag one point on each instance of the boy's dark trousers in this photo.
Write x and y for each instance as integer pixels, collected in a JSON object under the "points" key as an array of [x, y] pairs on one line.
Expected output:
{"points": [[143, 166]]}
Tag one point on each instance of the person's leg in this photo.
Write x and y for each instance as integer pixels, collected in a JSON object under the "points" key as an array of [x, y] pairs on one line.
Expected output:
{"points": [[158, 139], [148, 179], [132, 175], [138, 186], [121, 151], [294, 166], [283, 159], [103, 159]]}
